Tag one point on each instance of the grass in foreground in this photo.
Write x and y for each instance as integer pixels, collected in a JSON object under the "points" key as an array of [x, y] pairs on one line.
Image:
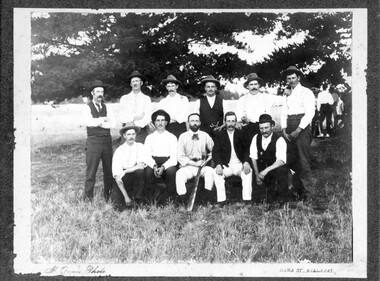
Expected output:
{"points": [[65, 229]]}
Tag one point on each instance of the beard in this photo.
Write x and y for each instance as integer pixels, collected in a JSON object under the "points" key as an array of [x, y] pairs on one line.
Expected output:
{"points": [[194, 128]]}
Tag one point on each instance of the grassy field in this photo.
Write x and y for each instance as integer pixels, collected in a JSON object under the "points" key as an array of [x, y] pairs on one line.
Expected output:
{"points": [[65, 229]]}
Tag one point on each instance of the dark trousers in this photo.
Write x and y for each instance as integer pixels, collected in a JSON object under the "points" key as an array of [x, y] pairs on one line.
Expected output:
{"points": [[133, 184], [98, 148], [325, 112], [176, 128], [314, 125], [249, 131], [152, 187], [298, 154], [277, 178]]}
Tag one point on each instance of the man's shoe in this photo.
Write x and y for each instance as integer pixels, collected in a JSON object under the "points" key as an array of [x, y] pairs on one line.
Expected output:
{"points": [[327, 136], [320, 136]]}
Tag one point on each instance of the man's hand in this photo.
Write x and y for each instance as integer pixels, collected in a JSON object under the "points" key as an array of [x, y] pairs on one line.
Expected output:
{"points": [[140, 166], [286, 136], [139, 117], [219, 170], [262, 174], [155, 171], [238, 126], [218, 129], [294, 135], [258, 181], [244, 119], [160, 171], [246, 168]]}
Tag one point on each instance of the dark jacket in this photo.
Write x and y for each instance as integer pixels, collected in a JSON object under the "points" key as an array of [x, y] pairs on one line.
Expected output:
{"points": [[210, 115], [221, 152]]}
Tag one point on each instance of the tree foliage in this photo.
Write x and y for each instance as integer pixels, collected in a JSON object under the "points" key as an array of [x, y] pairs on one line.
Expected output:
{"points": [[73, 49]]}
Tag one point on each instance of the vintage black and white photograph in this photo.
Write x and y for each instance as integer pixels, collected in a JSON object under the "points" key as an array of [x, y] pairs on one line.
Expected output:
{"points": [[198, 142]]}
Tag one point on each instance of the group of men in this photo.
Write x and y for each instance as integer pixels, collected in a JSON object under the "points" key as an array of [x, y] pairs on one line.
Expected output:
{"points": [[164, 150]]}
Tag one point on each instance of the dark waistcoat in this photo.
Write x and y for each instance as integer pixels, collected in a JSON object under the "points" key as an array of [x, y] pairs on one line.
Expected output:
{"points": [[97, 131], [211, 115], [266, 157]]}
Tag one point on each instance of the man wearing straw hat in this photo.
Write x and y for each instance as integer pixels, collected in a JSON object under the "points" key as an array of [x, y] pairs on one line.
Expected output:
{"points": [[99, 141], [128, 170], [136, 107], [211, 107], [176, 105], [251, 106], [297, 113]]}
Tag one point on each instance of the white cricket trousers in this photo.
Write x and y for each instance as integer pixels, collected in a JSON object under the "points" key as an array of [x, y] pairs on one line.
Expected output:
{"points": [[233, 170], [188, 172]]}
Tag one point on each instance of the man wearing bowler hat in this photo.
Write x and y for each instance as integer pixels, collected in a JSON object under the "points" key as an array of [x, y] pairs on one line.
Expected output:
{"points": [[268, 154], [161, 150], [211, 107], [128, 165], [251, 106], [298, 110], [99, 142], [136, 107], [176, 105]]}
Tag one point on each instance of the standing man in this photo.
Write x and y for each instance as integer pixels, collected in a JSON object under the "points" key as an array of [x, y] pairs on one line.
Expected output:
{"points": [[268, 154], [176, 105], [210, 107], [161, 148], [194, 152], [99, 141], [230, 156], [251, 106], [296, 116], [324, 107], [136, 107], [128, 165]]}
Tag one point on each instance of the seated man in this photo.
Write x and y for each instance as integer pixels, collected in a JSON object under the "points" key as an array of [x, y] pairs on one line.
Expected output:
{"points": [[194, 152], [128, 170], [231, 158], [161, 151], [268, 154]]}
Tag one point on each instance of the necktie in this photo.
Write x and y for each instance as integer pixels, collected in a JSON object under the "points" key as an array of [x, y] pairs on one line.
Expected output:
{"points": [[98, 106], [195, 137]]}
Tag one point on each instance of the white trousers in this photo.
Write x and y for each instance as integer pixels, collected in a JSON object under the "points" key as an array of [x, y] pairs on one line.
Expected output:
{"points": [[233, 170], [188, 172]]}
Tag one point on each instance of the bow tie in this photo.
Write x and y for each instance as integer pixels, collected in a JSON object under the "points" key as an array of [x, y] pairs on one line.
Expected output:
{"points": [[195, 137]]}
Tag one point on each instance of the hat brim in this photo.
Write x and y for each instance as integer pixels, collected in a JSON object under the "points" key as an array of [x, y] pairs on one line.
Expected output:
{"points": [[260, 80], [203, 82], [267, 121], [96, 86], [126, 128], [142, 77], [165, 81], [290, 71], [164, 113]]}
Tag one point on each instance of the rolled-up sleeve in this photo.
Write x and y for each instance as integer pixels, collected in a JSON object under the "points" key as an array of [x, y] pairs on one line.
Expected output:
{"points": [[308, 102], [281, 150], [172, 161]]}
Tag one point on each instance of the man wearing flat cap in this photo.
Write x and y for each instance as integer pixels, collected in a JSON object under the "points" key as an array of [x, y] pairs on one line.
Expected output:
{"points": [[268, 154], [176, 105], [98, 122], [128, 165], [136, 107], [251, 106], [211, 107], [161, 150], [297, 113]]}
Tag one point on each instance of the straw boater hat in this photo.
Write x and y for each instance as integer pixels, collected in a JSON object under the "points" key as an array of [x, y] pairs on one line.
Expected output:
{"points": [[171, 79], [210, 78], [292, 69], [264, 118], [129, 126], [96, 83], [136, 73], [161, 112], [251, 77]]}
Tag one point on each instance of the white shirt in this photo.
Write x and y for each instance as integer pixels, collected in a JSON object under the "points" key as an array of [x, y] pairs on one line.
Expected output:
{"points": [[189, 148], [126, 156], [339, 107], [177, 107], [90, 121], [161, 145], [251, 106], [300, 101], [280, 147], [233, 159], [324, 97], [135, 104]]}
